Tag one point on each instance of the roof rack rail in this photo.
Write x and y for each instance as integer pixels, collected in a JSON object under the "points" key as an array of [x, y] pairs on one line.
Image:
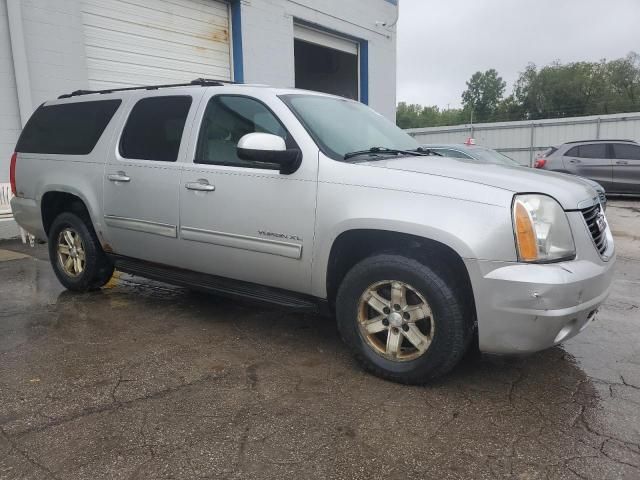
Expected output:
{"points": [[203, 82], [602, 140]]}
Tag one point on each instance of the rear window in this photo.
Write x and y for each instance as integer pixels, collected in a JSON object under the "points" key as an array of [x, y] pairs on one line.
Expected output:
{"points": [[67, 129], [549, 151], [154, 128]]}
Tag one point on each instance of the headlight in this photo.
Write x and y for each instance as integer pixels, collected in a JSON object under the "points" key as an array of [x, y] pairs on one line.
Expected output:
{"points": [[541, 229]]}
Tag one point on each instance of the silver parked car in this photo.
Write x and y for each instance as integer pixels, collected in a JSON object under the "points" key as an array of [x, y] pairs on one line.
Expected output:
{"points": [[615, 164], [488, 155], [316, 203]]}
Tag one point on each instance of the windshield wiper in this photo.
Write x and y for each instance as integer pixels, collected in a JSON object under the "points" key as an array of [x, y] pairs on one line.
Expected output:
{"points": [[392, 151], [426, 151]]}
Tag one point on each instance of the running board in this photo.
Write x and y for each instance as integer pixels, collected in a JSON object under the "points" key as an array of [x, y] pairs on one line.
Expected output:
{"points": [[218, 285]]}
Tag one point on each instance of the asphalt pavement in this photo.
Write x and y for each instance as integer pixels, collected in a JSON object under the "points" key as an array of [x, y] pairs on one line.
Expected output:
{"points": [[148, 381]]}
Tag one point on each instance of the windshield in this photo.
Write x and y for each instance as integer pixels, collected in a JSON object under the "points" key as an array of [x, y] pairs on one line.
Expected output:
{"points": [[491, 156], [340, 126]]}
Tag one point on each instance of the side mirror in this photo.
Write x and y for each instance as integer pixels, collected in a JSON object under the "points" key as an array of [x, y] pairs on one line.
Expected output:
{"points": [[268, 148]]}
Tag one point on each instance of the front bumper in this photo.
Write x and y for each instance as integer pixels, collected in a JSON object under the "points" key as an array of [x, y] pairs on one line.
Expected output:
{"points": [[524, 308]]}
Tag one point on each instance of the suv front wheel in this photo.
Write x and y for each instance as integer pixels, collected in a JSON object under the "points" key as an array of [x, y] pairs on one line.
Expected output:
{"points": [[76, 255], [403, 320]]}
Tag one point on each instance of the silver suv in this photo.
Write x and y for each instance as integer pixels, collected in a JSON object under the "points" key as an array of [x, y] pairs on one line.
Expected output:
{"points": [[316, 203], [614, 164]]}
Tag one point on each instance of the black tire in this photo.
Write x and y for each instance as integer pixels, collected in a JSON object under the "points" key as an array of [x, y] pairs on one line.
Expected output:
{"points": [[98, 269], [453, 327]]}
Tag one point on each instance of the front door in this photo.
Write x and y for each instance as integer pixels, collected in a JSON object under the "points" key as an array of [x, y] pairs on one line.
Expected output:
{"points": [[591, 161], [240, 219], [142, 177], [626, 168]]}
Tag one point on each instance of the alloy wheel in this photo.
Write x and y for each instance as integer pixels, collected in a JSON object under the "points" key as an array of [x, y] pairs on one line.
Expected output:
{"points": [[71, 252], [395, 320]]}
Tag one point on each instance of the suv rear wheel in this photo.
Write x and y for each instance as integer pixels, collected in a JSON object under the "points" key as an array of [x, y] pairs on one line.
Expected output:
{"points": [[76, 255], [403, 320]]}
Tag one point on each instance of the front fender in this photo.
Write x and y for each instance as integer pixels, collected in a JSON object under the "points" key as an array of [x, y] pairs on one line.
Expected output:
{"points": [[473, 230]]}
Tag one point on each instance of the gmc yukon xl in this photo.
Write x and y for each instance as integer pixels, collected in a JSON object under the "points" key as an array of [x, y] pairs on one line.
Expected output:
{"points": [[316, 203]]}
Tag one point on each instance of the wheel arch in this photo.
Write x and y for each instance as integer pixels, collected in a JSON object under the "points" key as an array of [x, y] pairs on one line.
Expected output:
{"points": [[56, 201], [352, 246]]}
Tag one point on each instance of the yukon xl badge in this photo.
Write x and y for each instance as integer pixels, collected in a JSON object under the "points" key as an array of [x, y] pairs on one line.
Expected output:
{"points": [[284, 236]]}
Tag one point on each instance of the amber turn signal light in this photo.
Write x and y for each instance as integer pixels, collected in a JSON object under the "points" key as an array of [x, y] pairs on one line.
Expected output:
{"points": [[525, 234]]}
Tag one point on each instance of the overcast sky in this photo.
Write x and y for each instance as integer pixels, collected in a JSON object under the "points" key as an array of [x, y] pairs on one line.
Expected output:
{"points": [[441, 43]]}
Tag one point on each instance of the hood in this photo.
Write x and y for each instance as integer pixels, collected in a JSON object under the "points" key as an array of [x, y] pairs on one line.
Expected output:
{"points": [[592, 183], [566, 189]]}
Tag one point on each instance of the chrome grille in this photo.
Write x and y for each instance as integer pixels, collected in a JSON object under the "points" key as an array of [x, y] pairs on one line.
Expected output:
{"points": [[594, 216]]}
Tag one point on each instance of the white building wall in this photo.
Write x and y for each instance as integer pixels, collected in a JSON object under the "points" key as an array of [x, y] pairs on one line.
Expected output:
{"points": [[55, 48], [267, 31], [9, 112], [56, 57], [523, 141], [56, 63]]}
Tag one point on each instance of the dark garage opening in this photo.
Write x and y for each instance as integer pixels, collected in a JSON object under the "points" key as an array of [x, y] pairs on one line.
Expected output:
{"points": [[326, 69]]}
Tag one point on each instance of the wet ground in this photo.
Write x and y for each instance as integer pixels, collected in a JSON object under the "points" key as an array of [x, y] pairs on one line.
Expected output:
{"points": [[142, 380]]}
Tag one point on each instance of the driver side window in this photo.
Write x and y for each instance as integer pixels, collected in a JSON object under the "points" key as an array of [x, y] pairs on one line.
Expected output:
{"points": [[226, 120]]}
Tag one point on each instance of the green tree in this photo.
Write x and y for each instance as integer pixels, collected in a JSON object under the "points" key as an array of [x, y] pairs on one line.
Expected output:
{"points": [[483, 94], [624, 81], [554, 90], [415, 116], [408, 115]]}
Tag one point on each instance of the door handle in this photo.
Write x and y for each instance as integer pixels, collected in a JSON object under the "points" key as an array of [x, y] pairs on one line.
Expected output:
{"points": [[119, 177], [622, 162], [201, 185], [574, 160]]}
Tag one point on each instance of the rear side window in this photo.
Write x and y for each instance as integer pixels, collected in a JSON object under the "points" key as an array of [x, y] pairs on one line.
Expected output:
{"points": [[154, 128], [67, 129], [592, 150], [626, 151]]}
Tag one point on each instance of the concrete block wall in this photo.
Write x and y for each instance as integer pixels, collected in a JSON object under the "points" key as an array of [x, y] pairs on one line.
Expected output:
{"points": [[56, 62], [267, 31], [56, 58], [9, 112], [54, 39]]}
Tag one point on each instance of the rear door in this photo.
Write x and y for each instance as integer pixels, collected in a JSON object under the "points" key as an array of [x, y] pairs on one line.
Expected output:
{"points": [[626, 168], [142, 176], [590, 160]]}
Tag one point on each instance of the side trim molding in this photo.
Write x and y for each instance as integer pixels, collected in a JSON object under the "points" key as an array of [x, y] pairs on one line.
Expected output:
{"points": [[243, 242], [145, 226]]}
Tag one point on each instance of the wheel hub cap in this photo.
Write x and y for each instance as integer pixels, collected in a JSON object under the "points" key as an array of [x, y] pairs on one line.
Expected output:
{"points": [[395, 320], [71, 255]]}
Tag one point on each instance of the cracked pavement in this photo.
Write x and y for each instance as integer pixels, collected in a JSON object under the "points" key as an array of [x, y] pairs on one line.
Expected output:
{"points": [[143, 380]]}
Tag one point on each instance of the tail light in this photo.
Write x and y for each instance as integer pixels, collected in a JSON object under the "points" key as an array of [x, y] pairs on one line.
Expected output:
{"points": [[540, 163], [12, 173]]}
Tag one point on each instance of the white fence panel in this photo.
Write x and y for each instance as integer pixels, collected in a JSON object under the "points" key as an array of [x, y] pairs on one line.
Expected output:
{"points": [[5, 198], [524, 140]]}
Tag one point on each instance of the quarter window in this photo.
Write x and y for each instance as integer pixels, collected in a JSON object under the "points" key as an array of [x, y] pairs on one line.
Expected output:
{"points": [[226, 120], [154, 128], [626, 151], [67, 128], [591, 150]]}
